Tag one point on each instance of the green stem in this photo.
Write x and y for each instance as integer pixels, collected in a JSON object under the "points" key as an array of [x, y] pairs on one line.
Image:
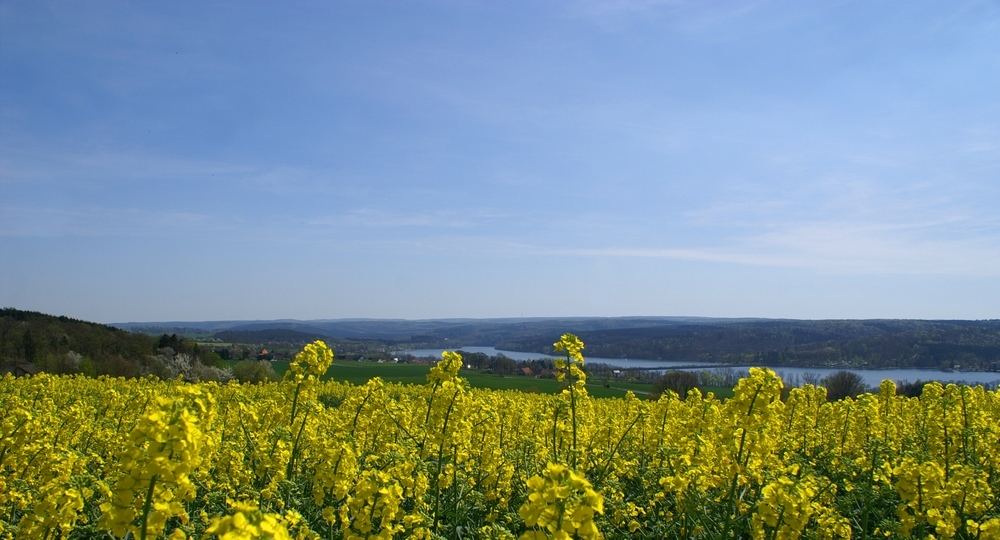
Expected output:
{"points": [[607, 462], [555, 430], [437, 477], [295, 404], [146, 506], [572, 406], [427, 415], [295, 447], [357, 413]]}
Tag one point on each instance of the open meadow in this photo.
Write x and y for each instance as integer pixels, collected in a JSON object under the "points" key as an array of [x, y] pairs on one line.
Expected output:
{"points": [[361, 372]]}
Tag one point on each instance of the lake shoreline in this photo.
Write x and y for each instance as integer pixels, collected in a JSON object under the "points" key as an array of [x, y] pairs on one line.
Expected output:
{"points": [[871, 376]]}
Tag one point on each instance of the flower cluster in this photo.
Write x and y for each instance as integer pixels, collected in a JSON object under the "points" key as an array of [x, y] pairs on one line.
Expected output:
{"points": [[58, 508], [311, 363], [248, 522], [938, 500], [164, 449], [446, 369], [789, 503], [561, 504], [572, 366], [373, 510]]}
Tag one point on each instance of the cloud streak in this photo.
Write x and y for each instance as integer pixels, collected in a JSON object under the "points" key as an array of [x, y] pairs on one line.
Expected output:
{"points": [[42, 164], [831, 248], [408, 218], [857, 228], [41, 222]]}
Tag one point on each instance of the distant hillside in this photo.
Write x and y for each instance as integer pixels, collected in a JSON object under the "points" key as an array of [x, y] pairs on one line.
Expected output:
{"points": [[964, 345], [430, 331], [36, 341], [268, 335], [46, 341]]}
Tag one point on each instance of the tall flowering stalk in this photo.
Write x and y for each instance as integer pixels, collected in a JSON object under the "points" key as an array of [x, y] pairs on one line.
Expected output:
{"points": [[444, 421], [571, 371], [561, 501], [164, 449], [306, 369]]}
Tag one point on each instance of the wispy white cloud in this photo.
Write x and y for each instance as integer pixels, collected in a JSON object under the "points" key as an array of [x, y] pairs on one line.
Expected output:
{"points": [[41, 164], [409, 218], [859, 228], [680, 254], [832, 249], [46, 222], [44, 165]]}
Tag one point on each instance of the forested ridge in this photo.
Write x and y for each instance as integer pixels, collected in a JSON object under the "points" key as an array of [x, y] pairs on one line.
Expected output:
{"points": [[959, 345], [878, 343], [46, 340], [30, 340]]}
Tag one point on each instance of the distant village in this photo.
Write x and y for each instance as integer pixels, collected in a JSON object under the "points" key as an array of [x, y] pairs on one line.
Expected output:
{"points": [[499, 364]]}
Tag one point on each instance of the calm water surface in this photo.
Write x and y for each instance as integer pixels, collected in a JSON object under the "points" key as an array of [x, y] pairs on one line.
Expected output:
{"points": [[872, 377]]}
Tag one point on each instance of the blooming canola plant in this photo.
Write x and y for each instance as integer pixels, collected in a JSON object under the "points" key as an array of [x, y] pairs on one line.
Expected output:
{"points": [[307, 458]]}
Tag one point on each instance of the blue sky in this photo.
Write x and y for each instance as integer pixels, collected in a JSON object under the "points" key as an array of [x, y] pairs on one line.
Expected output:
{"points": [[239, 160]]}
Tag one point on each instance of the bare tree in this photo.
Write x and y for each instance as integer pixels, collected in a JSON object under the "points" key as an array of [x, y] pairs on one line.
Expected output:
{"points": [[843, 384]]}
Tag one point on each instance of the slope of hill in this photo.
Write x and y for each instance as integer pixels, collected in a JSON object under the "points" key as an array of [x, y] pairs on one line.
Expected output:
{"points": [[268, 335], [64, 345], [963, 345], [47, 341], [429, 331]]}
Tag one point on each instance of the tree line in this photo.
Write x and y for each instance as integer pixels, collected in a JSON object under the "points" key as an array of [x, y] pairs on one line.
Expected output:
{"points": [[949, 345]]}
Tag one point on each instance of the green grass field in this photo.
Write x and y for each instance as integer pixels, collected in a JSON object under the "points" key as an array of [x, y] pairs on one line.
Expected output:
{"points": [[360, 372]]}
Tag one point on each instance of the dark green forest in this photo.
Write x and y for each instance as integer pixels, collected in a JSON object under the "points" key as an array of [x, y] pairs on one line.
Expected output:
{"points": [[56, 344], [957, 345]]}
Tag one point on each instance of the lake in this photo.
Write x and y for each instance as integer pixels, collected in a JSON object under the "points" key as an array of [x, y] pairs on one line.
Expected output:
{"points": [[872, 377]]}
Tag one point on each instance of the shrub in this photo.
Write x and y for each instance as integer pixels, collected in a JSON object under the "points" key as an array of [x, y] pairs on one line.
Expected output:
{"points": [[254, 371], [201, 372], [911, 389], [677, 381], [843, 384]]}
